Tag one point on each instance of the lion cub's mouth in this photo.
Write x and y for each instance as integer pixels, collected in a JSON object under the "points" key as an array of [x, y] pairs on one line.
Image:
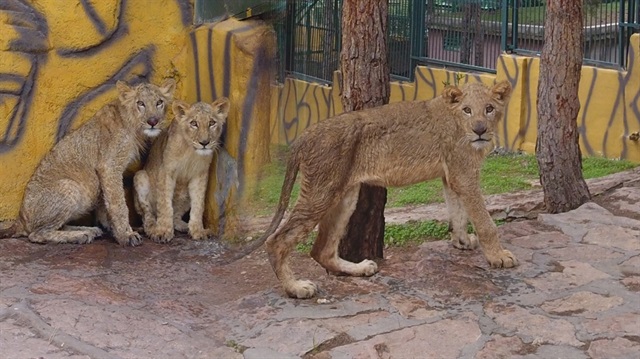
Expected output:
{"points": [[204, 151], [152, 132], [480, 143]]}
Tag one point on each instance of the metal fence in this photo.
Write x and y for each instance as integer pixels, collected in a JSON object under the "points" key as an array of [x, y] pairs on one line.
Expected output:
{"points": [[459, 34], [608, 24]]}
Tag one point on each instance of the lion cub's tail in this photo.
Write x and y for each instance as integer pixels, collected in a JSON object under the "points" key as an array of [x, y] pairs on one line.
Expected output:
{"points": [[16, 229], [285, 194], [293, 164]]}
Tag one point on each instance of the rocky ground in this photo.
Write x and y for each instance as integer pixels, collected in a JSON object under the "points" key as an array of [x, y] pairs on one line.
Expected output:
{"points": [[575, 294]]}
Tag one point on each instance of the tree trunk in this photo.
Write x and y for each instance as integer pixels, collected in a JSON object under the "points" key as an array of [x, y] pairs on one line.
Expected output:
{"points": [[557, 148], [365, 84]]}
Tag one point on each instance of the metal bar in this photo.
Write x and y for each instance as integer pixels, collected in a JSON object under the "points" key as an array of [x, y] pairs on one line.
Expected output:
{"points": [[290, 40], [457, 65], [416, 36], [514, 24], [621, 45], [505, 26]]}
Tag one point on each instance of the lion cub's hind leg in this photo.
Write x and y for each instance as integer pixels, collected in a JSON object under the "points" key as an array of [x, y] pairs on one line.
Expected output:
{"points": [[66, 235], [333, 227], [197, 191], [62, 202], [459, 220], [279, 245]]}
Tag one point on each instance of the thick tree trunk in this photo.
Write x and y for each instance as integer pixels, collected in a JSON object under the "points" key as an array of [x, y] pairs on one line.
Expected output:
{"points": [[365, 84], [557, 148]]}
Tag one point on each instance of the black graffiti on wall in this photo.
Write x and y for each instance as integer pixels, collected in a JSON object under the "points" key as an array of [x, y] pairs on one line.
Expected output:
{"points": [[32, 43], [17, 89]]}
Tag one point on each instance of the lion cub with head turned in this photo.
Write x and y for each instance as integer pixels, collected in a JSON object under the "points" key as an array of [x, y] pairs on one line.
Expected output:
{"points": [[393, 145], [84, 170], [174, 180]]}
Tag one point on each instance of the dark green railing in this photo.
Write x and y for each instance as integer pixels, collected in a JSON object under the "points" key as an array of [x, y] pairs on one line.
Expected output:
{"points": [[457, 34]]}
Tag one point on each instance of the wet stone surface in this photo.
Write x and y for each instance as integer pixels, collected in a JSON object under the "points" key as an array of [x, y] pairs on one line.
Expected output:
{"points": [[575, 295]]}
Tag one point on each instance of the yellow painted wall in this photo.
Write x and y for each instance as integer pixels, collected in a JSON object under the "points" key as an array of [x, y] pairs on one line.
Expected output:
{"points": [[57, 70], [610, 103]]}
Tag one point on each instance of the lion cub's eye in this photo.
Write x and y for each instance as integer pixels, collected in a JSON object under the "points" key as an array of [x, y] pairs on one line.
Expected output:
{"points": [[193, 124], [467, 110], [212, 123], [159, 103], [489, 109], [140, 103]]}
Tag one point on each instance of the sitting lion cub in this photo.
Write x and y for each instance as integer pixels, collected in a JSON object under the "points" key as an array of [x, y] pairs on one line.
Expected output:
{"points": [[392, 145], [86, 167], [174, 180]]}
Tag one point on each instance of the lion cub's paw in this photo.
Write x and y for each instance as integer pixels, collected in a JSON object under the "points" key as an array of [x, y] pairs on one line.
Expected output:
{"points": [[469, 242], [201, 234], [505, 259], [130, 239], [160, 235], [367, 268], [301, 289], [181, 226]]}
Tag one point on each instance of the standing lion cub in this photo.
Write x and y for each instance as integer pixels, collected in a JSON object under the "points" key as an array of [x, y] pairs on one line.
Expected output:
{"points": [[392, 145], [174, 180], [86, 167]]}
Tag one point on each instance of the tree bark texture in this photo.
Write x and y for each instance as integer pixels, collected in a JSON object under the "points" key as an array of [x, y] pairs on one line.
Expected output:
{"points": [[365, 84], [557, 146]]}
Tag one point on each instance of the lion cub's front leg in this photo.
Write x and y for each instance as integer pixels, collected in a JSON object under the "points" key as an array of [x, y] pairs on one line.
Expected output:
{"points": [[197, 191], [471, 197], [459, 220], [162, 231], [116, 206]]}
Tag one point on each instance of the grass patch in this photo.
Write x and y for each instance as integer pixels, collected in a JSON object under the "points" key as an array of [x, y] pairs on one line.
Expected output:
{"points": [[414, 232], [594, 167]]}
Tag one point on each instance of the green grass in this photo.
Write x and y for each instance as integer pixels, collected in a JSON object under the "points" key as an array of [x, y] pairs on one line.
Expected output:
{"points": [[594, 167], [414, 232]]}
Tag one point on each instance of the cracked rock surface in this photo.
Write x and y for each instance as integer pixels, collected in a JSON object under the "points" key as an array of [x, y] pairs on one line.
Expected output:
{"points": [[576, 294]]}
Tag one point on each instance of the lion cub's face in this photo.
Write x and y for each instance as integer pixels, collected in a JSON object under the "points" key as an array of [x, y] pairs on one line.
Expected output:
{"points": [[478, 110], [201, 123], [147, 104]]}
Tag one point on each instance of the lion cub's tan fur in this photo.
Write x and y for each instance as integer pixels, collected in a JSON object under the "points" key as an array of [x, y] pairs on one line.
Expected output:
{"points": [[85, 169], [174, 180], [393, 145]]}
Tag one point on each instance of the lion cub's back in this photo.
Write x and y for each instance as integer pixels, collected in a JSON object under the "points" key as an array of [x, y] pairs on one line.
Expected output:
{"points": [[74, 155]]}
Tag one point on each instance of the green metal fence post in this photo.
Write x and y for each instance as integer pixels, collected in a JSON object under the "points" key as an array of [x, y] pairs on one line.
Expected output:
{"points": [[505, 25], [417, 33]]}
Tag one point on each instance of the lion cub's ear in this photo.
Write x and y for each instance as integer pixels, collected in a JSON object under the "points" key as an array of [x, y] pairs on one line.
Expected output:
{"points": [[124, 91], [452, 94], [501, 91], [221, 107], [167, 88], [179, 108]]}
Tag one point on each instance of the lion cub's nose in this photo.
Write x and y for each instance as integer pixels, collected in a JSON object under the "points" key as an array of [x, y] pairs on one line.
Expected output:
{"points": [[204, 143], [152, 121], [479, 129]]}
